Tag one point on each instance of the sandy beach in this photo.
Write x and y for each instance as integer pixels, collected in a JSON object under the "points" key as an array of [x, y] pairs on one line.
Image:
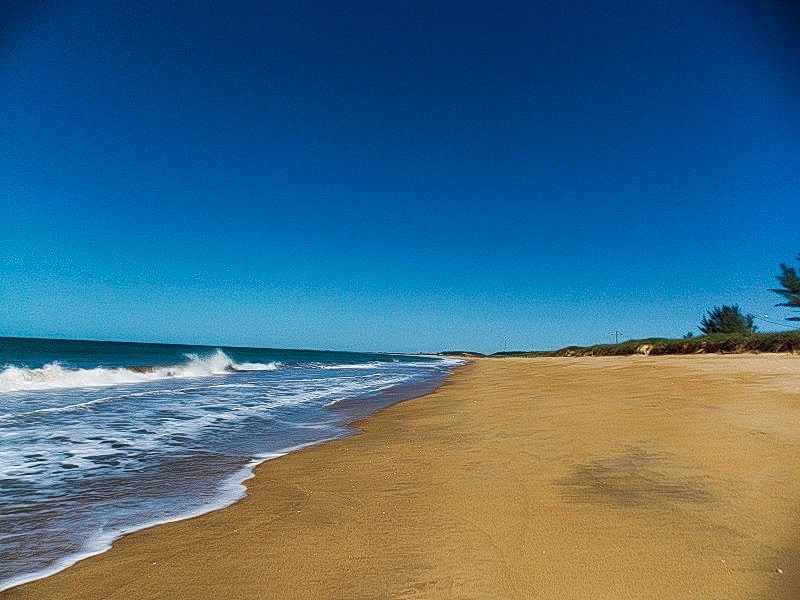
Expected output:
{"points": [[636, 477]]}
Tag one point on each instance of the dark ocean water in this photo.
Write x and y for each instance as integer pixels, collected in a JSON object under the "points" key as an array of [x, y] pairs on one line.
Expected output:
{"points": [[102, 438]]}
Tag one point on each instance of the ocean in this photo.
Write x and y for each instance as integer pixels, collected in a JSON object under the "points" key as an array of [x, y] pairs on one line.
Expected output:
{"points": [[98, 439]]}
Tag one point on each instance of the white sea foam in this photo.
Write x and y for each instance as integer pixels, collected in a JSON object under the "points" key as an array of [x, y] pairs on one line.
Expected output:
{"points": [[56, 376], [439, 363], [363, 366], [247, 366]]}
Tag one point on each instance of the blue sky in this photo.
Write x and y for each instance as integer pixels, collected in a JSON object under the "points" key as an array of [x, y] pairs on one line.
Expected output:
{"points": [[394, 176]]}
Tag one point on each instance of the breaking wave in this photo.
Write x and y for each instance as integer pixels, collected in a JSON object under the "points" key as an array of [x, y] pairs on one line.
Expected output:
{"points": [[56, 376]]}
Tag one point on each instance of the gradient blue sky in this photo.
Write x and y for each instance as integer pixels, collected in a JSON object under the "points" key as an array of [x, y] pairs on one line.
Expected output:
{"points": [[399, 176]]}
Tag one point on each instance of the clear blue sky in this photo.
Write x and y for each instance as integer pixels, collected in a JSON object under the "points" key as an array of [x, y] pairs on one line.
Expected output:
{"points": [[400, 176]]}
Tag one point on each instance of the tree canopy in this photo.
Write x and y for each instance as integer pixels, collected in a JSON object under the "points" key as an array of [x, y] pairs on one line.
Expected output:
{"points": [[727, 319], [790, 288]]}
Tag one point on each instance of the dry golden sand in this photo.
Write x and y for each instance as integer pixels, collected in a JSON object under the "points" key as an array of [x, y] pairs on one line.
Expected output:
{"points": [[639, 477]]}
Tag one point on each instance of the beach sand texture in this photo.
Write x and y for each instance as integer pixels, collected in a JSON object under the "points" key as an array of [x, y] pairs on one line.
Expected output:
{"points": [[636, 477]]}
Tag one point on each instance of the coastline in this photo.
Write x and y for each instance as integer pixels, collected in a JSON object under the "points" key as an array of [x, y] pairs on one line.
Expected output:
{"points": [[221, 493], [555, 478]]}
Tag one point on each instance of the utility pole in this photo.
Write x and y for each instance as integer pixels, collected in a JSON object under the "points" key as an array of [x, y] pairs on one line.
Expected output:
{"points": [[616, 335]]}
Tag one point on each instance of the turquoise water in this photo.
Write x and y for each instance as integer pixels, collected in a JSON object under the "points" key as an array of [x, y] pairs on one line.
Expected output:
{"points": [[101, 438]]}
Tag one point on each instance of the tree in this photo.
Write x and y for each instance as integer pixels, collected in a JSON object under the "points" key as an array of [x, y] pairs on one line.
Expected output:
{"points": [[727, 319], [791, 288]]}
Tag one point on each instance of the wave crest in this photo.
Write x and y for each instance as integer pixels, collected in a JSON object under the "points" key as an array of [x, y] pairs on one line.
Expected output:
{"points": [[56, 376]]}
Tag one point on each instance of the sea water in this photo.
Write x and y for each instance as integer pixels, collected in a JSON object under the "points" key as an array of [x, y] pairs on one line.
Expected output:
{"points": [[98, 439]]}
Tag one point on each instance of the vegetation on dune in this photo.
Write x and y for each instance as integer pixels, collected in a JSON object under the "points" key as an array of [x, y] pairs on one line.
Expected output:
{"points": [[718, 343], [727, 319]]}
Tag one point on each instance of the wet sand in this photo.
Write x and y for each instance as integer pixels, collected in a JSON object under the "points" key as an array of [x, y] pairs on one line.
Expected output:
{"points": [[636, 477]]}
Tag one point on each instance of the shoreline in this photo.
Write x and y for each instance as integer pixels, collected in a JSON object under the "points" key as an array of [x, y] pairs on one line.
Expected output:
{"points": [[236, 481], [600, 477], [344, 413]]}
